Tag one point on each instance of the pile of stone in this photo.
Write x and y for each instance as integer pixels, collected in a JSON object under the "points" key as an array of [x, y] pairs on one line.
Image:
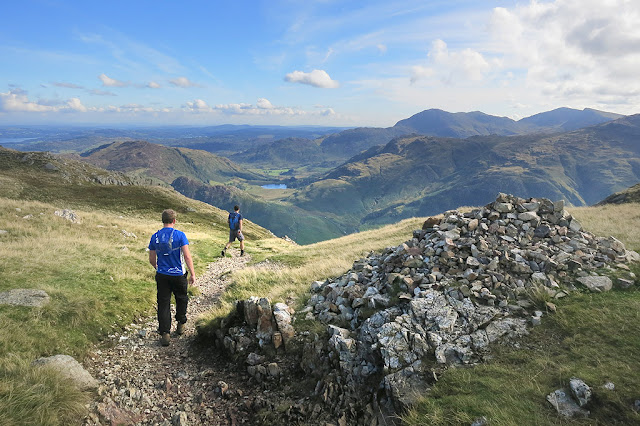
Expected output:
{"points": [[256, 325], [463, 282]]}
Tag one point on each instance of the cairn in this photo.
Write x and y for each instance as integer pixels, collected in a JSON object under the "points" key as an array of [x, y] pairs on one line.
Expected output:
{"points": [[463, 282]]}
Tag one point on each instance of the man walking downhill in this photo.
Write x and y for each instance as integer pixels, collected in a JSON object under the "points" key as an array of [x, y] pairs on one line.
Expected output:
{"points": [[235, 230], [168, 253]]}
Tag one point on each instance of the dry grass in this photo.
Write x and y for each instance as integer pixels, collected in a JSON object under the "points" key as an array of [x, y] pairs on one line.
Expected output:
{"points": [[301, 265], [621, 221]]}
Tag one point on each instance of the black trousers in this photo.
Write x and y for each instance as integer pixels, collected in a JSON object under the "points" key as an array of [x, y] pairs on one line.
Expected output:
{"points": [[177, 285]]}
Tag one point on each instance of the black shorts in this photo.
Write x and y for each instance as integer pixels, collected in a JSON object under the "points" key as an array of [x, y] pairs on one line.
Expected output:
{"points": [[235, 233]]}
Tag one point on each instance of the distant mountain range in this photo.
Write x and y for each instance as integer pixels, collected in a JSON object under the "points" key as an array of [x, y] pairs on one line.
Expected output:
{"points": [[358, 178], [433, 122], [422, 175]]}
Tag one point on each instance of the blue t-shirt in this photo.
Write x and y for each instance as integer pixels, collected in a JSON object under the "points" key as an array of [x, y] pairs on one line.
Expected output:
{"points": [[167, 242], [232, 216]]}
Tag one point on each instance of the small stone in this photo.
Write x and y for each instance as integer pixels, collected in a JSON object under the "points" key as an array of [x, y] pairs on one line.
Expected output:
{"points": [[3, 232], [609, 386], [624, 283]]}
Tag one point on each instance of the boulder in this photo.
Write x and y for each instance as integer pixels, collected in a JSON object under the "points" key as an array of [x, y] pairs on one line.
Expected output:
{"points": [[68, 367], [580, 390], [596, 283], [566, 406]]}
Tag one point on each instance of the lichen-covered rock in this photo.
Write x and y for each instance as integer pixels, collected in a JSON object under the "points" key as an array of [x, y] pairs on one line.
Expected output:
{"points": [[24, 297]]}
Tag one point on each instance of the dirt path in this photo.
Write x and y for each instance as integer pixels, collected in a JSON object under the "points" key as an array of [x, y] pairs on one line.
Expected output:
{"points": [[142, 382]]}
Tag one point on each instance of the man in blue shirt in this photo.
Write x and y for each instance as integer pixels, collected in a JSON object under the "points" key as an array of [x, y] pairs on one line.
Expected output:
{"points": [[168, 254], [235, 230]]}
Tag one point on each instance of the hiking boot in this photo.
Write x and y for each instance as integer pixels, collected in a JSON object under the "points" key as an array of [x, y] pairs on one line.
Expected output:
{"points": [[241, 252], [165, 339], [180, 328], [222, 253]]}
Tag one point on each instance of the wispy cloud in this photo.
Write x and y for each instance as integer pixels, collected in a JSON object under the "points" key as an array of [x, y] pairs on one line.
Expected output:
{"points": [[153, 85], [99, 92], [131, 53], [315, 78], [263, 107], [111, 82], [67, 85], [183, 82]]}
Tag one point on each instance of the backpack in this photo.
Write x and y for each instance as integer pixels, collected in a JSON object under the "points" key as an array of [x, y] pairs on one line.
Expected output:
{"points": [[164, 246], [234, 221]]}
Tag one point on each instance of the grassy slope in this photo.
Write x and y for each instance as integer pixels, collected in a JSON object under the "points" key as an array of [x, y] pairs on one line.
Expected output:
{"points": [[592, 336], [98, 279]]}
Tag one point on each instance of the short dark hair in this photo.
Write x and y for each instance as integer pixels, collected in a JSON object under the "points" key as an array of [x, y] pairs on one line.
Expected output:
{"points": [[236, 208], [168, 216]]}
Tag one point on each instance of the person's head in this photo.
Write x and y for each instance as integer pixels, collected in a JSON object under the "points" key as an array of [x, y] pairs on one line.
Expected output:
{"points": [[168, 216], [236, 208]]}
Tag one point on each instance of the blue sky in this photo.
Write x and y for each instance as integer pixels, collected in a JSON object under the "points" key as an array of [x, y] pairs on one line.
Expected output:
{"points": [[314, 62]]}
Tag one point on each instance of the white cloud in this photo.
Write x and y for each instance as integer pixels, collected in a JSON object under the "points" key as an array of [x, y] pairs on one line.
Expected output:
{"points": [[419, 72], [110, 82], [382, 48], [16, 100], [74, 104], [581, 51], [198, 105], [264, 103], [183, 82], [67, 85], [316, 78], [153, 85], [262, 108]]}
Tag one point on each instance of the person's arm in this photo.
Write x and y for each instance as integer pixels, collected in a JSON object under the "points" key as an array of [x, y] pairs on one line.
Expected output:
{"points": [[240, 225], [153, 259], [187, 258]]}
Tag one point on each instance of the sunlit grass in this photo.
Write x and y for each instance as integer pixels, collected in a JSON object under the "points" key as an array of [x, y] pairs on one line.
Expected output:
{"points": [[299, 266]]}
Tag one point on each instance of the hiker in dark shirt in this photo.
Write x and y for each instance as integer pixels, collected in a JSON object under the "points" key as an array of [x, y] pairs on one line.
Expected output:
{"points": [[235, 230]]}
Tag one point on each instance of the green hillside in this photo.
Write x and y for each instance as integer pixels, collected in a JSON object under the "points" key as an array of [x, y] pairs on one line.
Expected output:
{"points": [[140, 158], [629, 195], [304, 226], [96, 272], [418, 175]]}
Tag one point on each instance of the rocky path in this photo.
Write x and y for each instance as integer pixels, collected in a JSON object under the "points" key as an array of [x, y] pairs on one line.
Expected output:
{"points": [[142, 382]]}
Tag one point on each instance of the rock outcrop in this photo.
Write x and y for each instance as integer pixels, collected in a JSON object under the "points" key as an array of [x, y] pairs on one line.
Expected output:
{"points": [[462, 283]]}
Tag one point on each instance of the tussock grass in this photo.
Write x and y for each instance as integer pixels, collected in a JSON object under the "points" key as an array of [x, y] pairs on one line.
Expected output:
{"points": [[37, 396], [98, 280]]}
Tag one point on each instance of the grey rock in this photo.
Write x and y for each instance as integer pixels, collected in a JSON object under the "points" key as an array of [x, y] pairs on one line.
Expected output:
{"points": [[609, 386], [624, 283], [566, 406], [596, 283], [24, 297], [3, 232], [68, 367], [69, 215], [282, 316], [480, 421], [404, 388], [580, 390]]}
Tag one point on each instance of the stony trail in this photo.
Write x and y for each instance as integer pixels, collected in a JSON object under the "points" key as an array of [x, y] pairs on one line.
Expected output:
{"points": [[144, 383]]}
